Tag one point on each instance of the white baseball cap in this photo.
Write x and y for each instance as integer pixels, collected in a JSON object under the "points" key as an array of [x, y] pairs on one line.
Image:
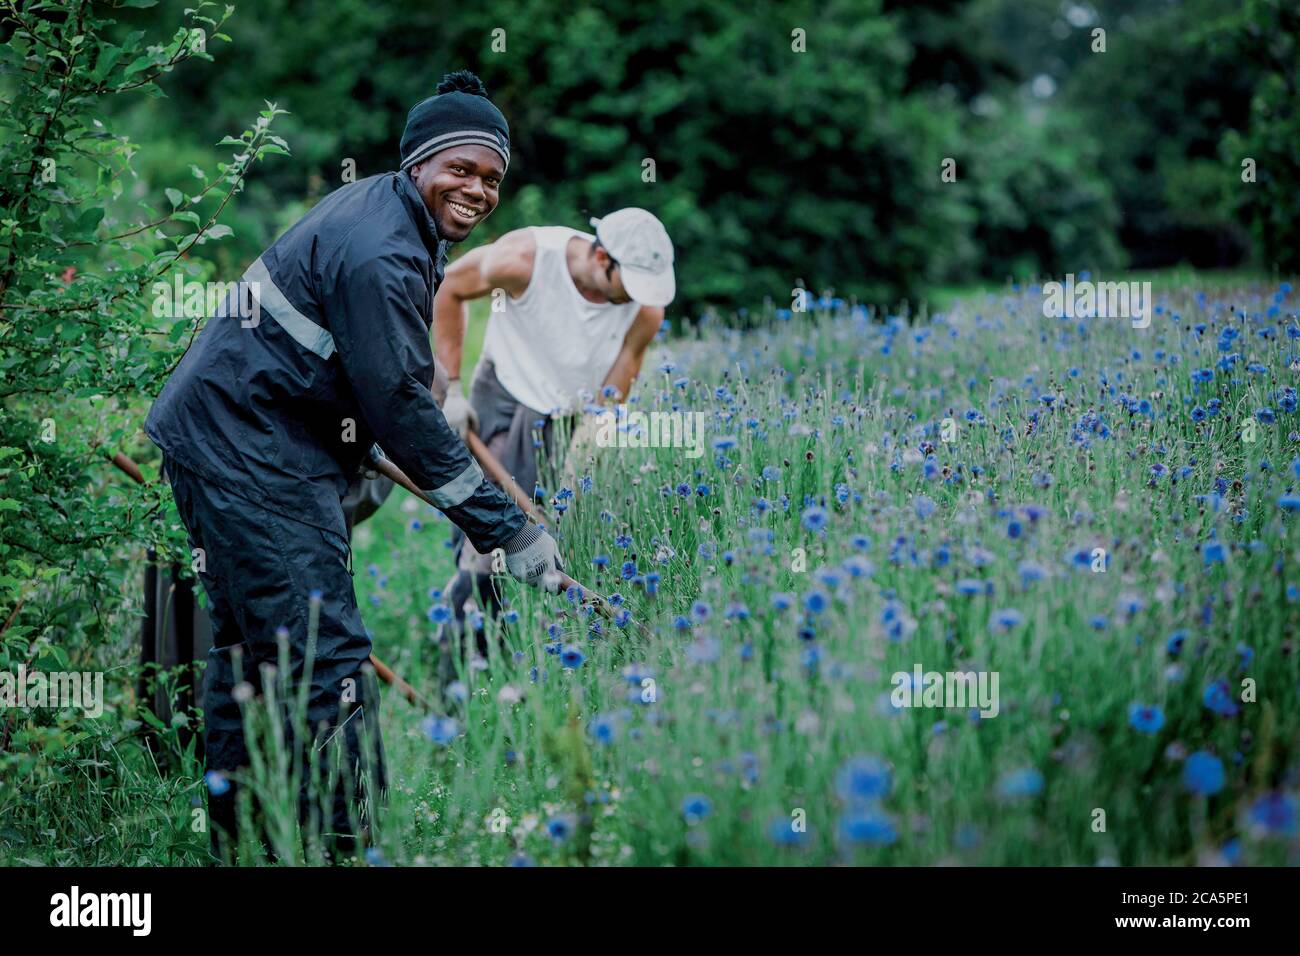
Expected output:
{"points": [[639, 243]]}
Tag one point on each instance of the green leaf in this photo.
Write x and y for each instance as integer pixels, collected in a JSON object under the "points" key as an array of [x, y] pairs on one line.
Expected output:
{"points": [[138, 64], [90, 219], [108, 57], [175, 195]]}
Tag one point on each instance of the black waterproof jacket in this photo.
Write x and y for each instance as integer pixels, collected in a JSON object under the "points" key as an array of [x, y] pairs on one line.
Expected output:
{"points": [[321, 351]]}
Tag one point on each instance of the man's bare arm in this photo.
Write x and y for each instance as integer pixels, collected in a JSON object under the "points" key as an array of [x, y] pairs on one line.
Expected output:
{"points": [[504, 264], [623, 373]]}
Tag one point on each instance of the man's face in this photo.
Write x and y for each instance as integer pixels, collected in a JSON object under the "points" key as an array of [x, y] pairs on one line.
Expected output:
{"points": [[607, 277], [460, 186]]}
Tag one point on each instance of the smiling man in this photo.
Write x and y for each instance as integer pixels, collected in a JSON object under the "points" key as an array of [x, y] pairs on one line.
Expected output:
{"points": [[265, 422]]}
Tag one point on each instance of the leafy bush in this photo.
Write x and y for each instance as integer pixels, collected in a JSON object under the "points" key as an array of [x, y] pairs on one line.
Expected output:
{"points": [[81, 351]]}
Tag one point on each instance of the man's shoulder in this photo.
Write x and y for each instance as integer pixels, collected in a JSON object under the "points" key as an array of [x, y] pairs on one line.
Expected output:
{"points": [[557, 237], [367, 220], [509, 260]]}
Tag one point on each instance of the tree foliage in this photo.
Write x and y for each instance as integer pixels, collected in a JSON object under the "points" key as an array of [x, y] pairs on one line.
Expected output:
{"points": [[82, 349]]}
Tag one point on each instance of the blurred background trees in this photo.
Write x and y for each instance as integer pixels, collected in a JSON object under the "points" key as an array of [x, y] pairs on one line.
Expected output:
{"points": [[773, 166]]}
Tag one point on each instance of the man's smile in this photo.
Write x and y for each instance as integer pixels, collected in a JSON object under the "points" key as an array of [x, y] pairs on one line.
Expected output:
{"points": [[465, 212]]}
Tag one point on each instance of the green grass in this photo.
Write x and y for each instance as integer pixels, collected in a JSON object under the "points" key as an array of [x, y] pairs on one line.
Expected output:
{"points": [[769, 716]]}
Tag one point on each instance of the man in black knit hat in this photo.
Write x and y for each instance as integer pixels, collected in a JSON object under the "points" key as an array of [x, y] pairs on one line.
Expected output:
{"points": [[323, 363]]}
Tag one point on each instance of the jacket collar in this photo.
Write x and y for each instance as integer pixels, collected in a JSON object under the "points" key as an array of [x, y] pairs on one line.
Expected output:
{"points": [[419, 212]]}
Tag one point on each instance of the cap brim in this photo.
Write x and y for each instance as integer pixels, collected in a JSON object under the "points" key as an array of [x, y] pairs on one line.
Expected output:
{"points": [[650, 288]]}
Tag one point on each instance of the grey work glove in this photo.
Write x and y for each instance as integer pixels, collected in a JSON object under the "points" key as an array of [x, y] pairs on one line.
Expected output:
{"points": [[458, 411], [533, 558]]}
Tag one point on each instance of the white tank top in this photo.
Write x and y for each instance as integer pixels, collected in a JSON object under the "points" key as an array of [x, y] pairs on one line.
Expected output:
{"points": [[550, 344]]}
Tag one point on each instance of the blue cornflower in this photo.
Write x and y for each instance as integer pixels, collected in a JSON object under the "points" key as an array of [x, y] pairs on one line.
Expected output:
{"points": [[1146, 718], [1026, 782], [816, 601], [864, 777], [1203, 773], [571, 656], [1129, 604], [603, 729], [1273, 814], [441, 730], [561, 826], [869, 825], [814, 519], [782, 832], [1218, 699], [695, 807], [1006, 619], [1030, 572]]}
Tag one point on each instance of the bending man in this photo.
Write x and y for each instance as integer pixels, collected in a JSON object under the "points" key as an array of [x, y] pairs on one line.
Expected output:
{"points": [[572, 316]]}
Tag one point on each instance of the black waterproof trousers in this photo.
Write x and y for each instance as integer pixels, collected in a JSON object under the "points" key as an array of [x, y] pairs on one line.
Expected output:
{"points": [[263, 574]]}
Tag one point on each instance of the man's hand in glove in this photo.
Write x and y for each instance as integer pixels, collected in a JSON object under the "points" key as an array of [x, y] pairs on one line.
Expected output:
{"points": [[458, 411], [532, 557]]}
